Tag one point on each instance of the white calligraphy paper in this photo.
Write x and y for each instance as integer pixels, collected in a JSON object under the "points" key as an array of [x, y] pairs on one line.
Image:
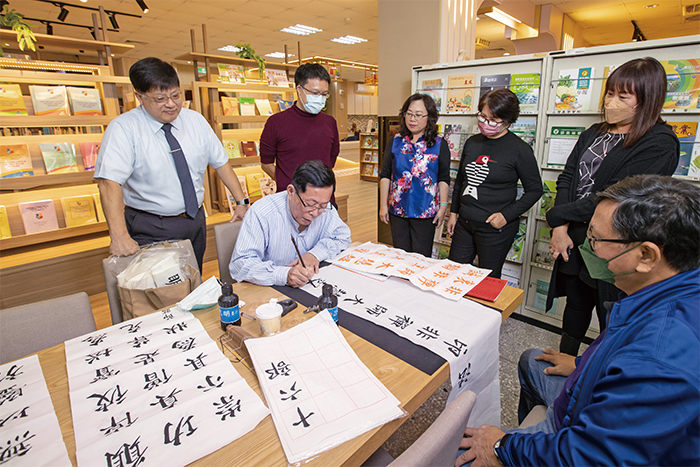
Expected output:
{"points": [[155, 390], [29, 430], [464, 333], [318, 390], [444, 277]]}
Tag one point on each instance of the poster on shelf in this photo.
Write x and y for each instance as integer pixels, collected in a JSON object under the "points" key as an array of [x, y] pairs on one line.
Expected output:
{"points": [[11, 100], [38, 216], [433, 88], [561, 142], [15, 161], [574, 90], [276, 78], [526, 87], [491, 82], [682, 83], [49, 100], [687, 134], [460, 93], [5, 231]]}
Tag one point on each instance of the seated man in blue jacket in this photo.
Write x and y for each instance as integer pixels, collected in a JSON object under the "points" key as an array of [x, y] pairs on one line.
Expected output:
{"points": [[633, 397], [303, 213]]}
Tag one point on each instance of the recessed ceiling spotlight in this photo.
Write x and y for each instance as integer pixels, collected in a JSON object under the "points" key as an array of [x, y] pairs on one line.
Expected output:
{"points": [[506, 53], [278, 55], [301, 30], [348, 40], [230, 48], [653, 5], [83, 1]]}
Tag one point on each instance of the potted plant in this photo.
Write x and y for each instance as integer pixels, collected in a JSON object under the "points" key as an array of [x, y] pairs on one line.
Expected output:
{"points": [[9, 19], [246, 51]]}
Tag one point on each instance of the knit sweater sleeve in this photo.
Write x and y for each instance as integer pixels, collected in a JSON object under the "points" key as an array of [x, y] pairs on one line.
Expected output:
{"points": [[529, 176], [444, 162], [388, 161]]}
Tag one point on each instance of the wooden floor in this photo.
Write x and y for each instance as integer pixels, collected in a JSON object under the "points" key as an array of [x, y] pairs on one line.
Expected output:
{"points": [[362, 220]]}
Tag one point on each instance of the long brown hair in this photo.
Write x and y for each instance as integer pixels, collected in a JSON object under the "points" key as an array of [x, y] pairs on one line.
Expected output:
{"points": [[646, 79], [431, 128]]}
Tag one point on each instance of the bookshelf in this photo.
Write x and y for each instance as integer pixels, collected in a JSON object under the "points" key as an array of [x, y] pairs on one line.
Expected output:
{"points": [[369, 157]]}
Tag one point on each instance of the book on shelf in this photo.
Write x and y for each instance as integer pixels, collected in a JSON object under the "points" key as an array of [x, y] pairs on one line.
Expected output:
{"points": [[15, 161], [275, 106], [574, 90], [686, 133], [548, 196], [455, 137], [253, 182], [516, 249], [491, 82], [59, 158], [284, 105], [276, 77], [433, 88], [231, 73], [542, 254], [5, 231], [247, 106], [540, 302], [263, 106], [229, 106], [232, 148], [49, 100], [694, 164], [682, 83], [367, 157], [11, 100], [443, 251], [242, 183], [445, 234], [249, 148], [525, 129], [453, 175], [460, 93], [267, 186], [231, 201], [561, 142], [375, 157], [526, 87], [38, 216], [375, 170], [367, 141], [78, 210], [511, 274], [89, 152], [98, 207], [367, 170], [84, 101], [375, 142], [489, 289], [606, 72]]}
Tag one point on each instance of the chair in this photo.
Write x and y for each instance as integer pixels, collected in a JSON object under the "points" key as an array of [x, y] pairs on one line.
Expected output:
{"points": [[439, 444], [225, 235], [26, 329]]}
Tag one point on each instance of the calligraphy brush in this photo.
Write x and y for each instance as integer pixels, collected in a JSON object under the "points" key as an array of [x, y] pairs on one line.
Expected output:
{"points": [[297, 249]]}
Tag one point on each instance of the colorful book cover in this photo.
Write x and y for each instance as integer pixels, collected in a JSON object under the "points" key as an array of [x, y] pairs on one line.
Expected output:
{"points": [[98, 207], [253, 182], [541, 292], [542, 254], [694, 166], [232, 148], [78, 210], [229, 106], [574, 90], [561, 142], [84, 101], [15, 161], [267, 186], [247, 105], [263, 106], [276, 77], [526, 87], [550, 193], [491, 82], [686, 133], [11, 100], [367, 141], [59, 158], [516, 250], [5, 231], [433, 88], [460, 93], [249, 148], [49, 100], [89, 152], [443, 251], [284, 105], [525, 130], [606, 72], [231, 73], [455, 138], [38, 216], [682, 84], [244, 187]]}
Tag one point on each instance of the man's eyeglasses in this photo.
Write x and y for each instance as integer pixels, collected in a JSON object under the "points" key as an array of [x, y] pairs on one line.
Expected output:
{"points": [[176, 97], [483, 119], [592, 240], [314, 93], [412, 116], [312, 207]]}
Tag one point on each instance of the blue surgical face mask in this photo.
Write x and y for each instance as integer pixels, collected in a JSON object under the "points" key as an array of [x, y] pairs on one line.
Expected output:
{"points": [[314, 104]]}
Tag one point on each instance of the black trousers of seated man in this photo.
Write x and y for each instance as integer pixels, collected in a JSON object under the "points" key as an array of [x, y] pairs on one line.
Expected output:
{"points": [[146, 228]]}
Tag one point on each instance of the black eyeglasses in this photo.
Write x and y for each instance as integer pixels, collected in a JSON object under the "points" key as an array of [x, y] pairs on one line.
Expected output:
{"points": [[314, 93], [313, 207], [592, 240]]}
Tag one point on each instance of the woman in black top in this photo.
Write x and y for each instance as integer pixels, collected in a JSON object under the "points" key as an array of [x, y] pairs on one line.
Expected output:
{"points": [[485, 215], [632, 140]]}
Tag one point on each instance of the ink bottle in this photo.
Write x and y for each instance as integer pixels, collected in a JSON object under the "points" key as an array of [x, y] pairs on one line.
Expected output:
{"points": [[228, 306], [329, 302]]}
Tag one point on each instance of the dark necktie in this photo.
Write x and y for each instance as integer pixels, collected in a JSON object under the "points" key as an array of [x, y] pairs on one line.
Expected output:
{"points": [[183, 172]]}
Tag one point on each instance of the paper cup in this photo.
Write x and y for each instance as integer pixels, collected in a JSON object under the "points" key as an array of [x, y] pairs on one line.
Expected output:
{"points": [[269, 316]]}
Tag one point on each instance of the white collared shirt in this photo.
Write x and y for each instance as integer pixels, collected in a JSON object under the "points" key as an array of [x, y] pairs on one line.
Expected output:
{"points": [[135, 154]]}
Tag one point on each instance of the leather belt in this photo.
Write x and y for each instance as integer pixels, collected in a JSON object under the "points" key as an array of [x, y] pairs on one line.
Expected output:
{"points": [[184, 214]]}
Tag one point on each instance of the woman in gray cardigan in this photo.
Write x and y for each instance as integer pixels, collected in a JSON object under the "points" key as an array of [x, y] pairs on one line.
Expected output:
{"points": [[632, 140]]}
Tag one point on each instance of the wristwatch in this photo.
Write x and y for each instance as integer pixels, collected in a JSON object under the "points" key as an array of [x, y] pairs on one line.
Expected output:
{"points": [[243, 202], [501, 441]]}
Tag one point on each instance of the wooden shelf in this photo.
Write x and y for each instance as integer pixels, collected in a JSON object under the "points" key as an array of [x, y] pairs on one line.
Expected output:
{"points": [[51, 78], [369, 178], [245, 160], [254, 88], [241, 118], [195, 56], [69, 42], [51, 235], [25, 121], [44, 180]]}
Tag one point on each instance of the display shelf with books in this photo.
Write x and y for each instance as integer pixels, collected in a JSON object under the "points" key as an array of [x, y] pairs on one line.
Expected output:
{"points": [[369, 157]]}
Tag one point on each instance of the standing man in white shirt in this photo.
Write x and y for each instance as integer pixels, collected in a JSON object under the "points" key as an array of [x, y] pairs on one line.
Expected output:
{"points": [[152, 163]]}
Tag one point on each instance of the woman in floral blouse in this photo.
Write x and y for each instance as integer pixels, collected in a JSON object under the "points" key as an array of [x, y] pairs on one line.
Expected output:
{"points": [[415, 177]]}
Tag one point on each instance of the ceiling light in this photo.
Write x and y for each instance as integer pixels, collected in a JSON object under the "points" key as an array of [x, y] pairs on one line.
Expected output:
{"points": [[506, 53], [348, 40], [229, 48], [653, 5], [500, 16], [62, 14], [143, 5], [278, 55], [113, 20], [301, 30], [83, 1]]}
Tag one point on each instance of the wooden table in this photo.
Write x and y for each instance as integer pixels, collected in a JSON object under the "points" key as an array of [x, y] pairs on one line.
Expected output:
{"points": [[262, 446]]}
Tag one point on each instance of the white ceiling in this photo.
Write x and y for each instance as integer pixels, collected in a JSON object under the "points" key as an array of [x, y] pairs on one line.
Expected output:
{"points": [[165, 31]]}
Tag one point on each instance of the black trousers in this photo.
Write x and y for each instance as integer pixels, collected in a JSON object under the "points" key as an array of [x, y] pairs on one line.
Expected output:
{"points": [[478, 238], [412, 234], [147, 228]]}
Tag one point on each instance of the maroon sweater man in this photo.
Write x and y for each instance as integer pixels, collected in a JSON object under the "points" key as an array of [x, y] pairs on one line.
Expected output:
{"points": [[302, 132]]}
